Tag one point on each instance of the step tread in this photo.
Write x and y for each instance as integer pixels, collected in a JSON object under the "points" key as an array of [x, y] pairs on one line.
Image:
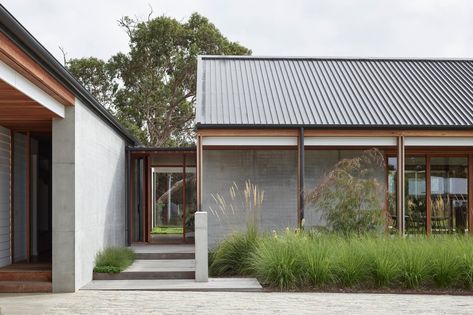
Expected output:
{"points": [[162, 265], [25, 286]]}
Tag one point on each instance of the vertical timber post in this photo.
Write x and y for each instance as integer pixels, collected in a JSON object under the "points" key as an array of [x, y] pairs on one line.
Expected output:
{"points": [[300, 175], [400, 185]]}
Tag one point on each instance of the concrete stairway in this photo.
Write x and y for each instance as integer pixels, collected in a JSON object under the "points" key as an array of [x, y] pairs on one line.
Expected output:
{"points": [[158, 262], [25, 278]]}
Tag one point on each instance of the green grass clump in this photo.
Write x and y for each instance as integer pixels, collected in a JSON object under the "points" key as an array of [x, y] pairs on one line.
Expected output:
{"points": [[114, 260], [276, 262], [300, 260], [232, 256]]}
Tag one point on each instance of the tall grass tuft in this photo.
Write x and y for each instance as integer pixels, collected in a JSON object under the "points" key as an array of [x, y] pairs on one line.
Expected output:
{"points": [[114, 259], [232, 256], [301, 260], [275, 261]]}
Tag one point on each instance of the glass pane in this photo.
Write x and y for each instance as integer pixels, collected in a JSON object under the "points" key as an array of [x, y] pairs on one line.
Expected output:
{"points": [[449, 194], [191, 201], [392, 193], [415, 195], [167, 212], [137, 199]]}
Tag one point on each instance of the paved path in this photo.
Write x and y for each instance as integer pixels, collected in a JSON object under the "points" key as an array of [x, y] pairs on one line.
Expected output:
{"points": [[144, 302]]}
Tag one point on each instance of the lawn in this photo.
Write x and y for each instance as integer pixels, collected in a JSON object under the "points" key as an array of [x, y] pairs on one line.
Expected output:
{"points": [[293, 260], [167, 230]]}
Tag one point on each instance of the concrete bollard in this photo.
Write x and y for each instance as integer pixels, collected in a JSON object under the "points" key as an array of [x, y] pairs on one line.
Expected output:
{"points": [[201, 247]]}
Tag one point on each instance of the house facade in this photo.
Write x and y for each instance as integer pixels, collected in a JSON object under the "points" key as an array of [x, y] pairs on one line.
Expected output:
{"points": [[63, 193], [269, 130], [283, 123]]}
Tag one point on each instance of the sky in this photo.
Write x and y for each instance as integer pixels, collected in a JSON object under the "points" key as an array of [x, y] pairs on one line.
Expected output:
{"points": [[340, 28]]}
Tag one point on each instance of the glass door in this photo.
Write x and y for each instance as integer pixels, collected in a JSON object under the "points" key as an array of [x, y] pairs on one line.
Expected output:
{"points": [[168, 207], [449, 194], [416, 210]]}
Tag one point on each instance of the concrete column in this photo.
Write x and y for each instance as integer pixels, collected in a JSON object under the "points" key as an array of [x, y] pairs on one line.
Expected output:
{"points": [[63, 212], [201, 247]]}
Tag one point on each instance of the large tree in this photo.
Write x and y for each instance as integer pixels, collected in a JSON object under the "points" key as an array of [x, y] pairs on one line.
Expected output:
{"points": [[152, 88]]}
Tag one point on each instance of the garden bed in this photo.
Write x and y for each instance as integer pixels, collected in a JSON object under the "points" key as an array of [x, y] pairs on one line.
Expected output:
{"points": [[113, 260], [295, 261]]}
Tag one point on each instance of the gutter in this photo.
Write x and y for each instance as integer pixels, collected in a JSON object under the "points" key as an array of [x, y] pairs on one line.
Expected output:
{"points": [[331, 127], [17, 33]]}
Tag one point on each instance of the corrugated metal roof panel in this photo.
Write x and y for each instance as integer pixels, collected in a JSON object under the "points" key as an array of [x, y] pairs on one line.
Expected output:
{"points": [[331, 92]]}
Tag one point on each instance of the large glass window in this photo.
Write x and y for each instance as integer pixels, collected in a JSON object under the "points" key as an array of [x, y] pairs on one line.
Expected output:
{"points": [[449, 194], [392, 195], [415, 188]]}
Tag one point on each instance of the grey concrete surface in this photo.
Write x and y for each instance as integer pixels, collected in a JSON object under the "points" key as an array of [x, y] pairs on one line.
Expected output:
{"points": [[163, 248], [163, 265], [148, 302], [213, 284], [89, 190]]}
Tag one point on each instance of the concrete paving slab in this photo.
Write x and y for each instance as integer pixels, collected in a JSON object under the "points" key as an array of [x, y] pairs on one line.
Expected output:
{"points": [[214, 284]]}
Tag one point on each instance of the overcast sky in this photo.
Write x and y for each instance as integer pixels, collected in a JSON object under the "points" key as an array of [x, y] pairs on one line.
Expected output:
{"points": [[376, 28]]}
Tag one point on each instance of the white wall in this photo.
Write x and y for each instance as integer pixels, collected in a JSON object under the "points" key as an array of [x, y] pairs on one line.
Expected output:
{"points": [[4, 197], [89, 191], [100, 190]]}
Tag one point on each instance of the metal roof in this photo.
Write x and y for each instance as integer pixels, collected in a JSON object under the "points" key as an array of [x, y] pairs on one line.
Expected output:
{"points": [[235, 91]]}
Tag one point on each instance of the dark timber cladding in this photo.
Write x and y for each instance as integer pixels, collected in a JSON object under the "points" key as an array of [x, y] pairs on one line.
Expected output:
{"points": [[354, 93]]}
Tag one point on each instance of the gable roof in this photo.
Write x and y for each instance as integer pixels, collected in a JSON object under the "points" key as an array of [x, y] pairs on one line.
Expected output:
{"points": [[235, 91], [17, 33]]}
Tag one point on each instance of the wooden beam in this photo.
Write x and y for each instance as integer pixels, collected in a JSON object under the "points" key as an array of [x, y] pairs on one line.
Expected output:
{"points": [[387, 133], [400, 186], [199, 173], [248, 132], [12, 55], [470, 193], [184, 205], [428, 198]]}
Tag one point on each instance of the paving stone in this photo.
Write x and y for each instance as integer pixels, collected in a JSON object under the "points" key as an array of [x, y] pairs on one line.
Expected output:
{"points": [[148, 302]]}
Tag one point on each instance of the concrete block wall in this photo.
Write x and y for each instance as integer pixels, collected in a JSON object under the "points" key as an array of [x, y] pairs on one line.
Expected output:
{"points": [[89, 191], [273, 171]]}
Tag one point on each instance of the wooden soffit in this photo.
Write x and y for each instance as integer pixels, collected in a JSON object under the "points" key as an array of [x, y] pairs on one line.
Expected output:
{"points": [[13, 56]]}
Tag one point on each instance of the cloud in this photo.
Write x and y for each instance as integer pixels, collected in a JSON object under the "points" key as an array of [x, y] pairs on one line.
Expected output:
{"points": [[378, 28]]}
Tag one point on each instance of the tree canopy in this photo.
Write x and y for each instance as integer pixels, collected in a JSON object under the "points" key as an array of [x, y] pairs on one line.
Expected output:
{"points": [[151, 89]]}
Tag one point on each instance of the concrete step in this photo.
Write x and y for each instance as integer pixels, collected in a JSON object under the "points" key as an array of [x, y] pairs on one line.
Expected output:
{"points": [[157, 256], [154, 269], [25, 275], [25, 286], [214, 284]]}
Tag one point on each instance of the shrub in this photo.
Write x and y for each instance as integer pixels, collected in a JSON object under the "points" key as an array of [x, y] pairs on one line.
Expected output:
{"points": [[114, 260], [351, 197]]}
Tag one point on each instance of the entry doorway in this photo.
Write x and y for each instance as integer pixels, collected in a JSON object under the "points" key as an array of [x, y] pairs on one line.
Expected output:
{"points": [[162, 195], [31, 190], [173, 204]]}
